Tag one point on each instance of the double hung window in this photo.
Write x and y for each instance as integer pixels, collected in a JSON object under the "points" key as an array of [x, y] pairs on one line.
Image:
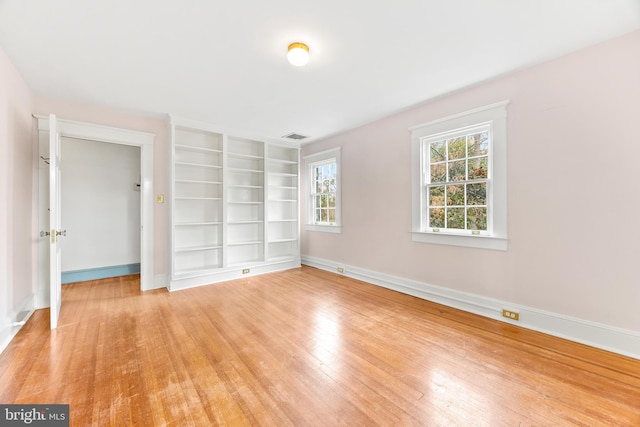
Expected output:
{"points": [[456, 169], [323, 202], [459, 179], [323, 195]]}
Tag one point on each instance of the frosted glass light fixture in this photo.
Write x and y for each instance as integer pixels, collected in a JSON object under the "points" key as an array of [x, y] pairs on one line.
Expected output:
{"points": [[298, 54]]}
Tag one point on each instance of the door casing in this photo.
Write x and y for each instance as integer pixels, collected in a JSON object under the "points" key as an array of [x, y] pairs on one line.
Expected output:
{"points": [[99, 133]]}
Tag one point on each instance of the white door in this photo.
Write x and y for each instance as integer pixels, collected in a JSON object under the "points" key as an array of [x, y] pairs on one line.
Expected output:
{"points": [[55, 280]]}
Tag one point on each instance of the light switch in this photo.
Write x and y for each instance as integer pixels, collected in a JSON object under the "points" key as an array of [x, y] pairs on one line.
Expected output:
{"points": [[160, 198]]}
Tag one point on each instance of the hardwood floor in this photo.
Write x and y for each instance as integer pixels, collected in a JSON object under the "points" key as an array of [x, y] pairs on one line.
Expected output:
{"points": [[304, 348]]}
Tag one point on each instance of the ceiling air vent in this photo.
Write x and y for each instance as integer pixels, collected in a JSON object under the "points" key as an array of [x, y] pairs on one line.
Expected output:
{"points": [[295, 136]]}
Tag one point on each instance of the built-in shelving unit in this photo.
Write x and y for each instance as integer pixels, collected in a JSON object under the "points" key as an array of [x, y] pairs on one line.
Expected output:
{"points": [[282, 199], [234, 206], [245, 201], [197, 201]]}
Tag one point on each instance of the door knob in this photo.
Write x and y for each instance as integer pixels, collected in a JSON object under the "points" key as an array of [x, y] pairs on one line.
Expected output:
{"points": [[61, 233], [44, 233]]}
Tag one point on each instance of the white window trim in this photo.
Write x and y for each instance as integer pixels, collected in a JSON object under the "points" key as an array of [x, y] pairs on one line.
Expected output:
{"points": [[497, 240], [309, 162]]}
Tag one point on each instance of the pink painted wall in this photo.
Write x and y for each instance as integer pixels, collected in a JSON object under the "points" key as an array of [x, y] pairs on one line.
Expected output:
{"points": [[17, 242], [573, 198], [139, 122]]}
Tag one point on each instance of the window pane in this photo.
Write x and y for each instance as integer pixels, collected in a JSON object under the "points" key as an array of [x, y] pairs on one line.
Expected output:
{"points": [[455, 195], [479, 144], [437, 151], [436, 218], [325, 185], [323, 170], [317, 179], [477, 194], [439, 172], [478, 168], [455, 218], [436, 196], [453, 202], [331, 200], [477, 218], [457, 170], [457, 148]]}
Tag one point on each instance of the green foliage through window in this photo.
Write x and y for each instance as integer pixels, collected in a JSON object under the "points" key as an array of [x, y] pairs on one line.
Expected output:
{"points": [[324, 196], [457, 178]]}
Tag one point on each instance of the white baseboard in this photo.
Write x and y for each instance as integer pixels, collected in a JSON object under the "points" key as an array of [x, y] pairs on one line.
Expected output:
{"points": [[597, 335], [7, 332], [42, 299], [160, 281], [14, 322], [232, 273]]}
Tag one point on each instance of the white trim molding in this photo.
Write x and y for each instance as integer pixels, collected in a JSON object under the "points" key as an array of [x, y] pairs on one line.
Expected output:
{"points": [[144, 140], [310, 161], [323, 228], [493, 118], [231, 273], [605, 337], [10, 326], [160, 281]]}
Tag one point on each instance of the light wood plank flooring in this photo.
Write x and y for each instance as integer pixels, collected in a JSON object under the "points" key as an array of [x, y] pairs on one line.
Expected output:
{"points": [[304, 348]]}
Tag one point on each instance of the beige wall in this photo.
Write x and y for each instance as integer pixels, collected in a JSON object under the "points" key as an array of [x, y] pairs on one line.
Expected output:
{"points": [[17, 172], [572, 199], [132, 121], [573, 196]]}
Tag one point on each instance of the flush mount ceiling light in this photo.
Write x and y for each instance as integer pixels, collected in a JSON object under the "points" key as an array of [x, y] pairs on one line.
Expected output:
{"points": [[298, 54]]}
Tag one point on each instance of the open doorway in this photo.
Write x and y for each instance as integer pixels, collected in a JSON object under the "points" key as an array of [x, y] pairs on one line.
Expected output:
{"points": [[97, 133], [100, 197]]}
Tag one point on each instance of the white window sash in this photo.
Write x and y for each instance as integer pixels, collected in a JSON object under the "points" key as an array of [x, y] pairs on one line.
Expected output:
{"points": [[314, 183], [425, 173], [496, 235], [313, 161]]}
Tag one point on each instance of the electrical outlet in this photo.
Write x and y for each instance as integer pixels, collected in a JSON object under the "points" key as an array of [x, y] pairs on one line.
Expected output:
{"points": [[246, 270], [340, 269], [510, 314]]}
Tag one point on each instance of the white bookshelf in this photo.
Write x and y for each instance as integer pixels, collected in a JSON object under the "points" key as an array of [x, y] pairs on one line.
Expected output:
{"points": [[197, 202], [245, 201], [234, 206], [282, 202]]}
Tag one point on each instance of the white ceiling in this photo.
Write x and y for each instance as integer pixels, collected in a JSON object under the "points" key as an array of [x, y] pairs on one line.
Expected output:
{"points": [[224, 62]]}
